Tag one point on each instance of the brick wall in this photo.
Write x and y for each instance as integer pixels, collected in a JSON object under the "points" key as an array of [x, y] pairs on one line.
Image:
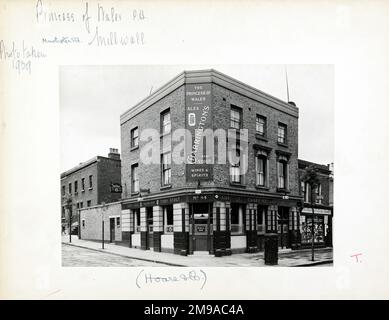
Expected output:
{"points": [[221, 119], [150, 175], [93, 222], [83, 197], [326, 187], [108, 171]]}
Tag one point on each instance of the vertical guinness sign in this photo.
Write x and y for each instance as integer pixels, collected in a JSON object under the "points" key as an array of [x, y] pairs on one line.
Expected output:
{"points": [[198, 117]]}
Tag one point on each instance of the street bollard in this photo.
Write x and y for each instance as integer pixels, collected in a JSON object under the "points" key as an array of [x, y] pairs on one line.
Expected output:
{"points": [[271, 249]]}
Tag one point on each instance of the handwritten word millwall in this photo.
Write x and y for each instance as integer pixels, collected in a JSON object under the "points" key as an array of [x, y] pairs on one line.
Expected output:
{"points": [[20, 55], [193, 276]]}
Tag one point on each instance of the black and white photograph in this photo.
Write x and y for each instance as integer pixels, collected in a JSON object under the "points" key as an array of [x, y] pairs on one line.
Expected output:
{"points": [[212, 152], [202, 169]]}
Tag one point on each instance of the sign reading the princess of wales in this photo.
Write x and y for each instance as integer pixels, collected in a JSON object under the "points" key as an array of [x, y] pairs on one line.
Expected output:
{"points": [[198, 115]]}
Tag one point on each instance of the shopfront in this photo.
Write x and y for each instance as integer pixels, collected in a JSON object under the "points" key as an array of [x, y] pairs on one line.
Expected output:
{"points": [[321, 220], [212, 223]]}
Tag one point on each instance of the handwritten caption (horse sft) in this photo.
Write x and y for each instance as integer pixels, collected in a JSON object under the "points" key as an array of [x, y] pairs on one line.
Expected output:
{"points": [[145, 279]]}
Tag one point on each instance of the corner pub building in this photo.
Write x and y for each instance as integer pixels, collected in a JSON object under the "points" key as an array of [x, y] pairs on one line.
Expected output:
{"points": [[170, 207]]}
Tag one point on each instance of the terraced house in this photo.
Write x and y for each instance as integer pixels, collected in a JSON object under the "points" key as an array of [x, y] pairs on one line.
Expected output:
{"points": [[216, 207]]}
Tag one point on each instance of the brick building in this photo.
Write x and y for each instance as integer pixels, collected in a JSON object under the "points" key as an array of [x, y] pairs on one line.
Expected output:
{"points": [[221, 207], [322, 204], [89, 184]]}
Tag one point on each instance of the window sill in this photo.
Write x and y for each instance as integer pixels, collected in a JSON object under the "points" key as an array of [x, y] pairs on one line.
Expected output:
{"points": [[285, 145], [261, 137], [168, 186], [90, 189], [262, 187], [283, 190], [237, 184], [134, 148]]}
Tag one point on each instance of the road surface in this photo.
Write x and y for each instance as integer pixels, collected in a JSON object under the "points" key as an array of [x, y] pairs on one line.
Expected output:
{"points": [[80, 257]]}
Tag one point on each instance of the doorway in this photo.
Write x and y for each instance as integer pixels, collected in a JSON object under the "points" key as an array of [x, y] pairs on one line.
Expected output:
{"points": [[201, 226], [111, 229], [149, 224], [283, 223]]}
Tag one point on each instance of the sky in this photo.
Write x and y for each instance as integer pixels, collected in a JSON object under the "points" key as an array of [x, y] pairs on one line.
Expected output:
{"points": [[92, 98]]}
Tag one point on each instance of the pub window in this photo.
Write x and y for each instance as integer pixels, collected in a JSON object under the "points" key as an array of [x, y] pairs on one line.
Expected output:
{"points": [[261, 212], [118, 222], [281, 136], [89, 203], [70, 188], [168, 218], [271, 221], [83, 184], [166, 168], [75, 187], [260, 125], [282, 172], [137, 219], [235, 172], [134, 178], [236, 218], [236, 117], [81, 205], [134, 137], [165, 121], [261, 169], [90, 182]]}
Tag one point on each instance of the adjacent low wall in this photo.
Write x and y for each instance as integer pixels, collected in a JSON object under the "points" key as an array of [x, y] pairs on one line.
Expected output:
{"points": [[238, 243], [91, 222], [135, 240], [167, 242]]}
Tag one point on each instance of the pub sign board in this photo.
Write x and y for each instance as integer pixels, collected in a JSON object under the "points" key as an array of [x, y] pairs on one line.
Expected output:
{"points": [[116, 188], [198, 117]]}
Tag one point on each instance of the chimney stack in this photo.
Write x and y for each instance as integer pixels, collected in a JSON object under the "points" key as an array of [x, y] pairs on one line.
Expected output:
{"points": [[114, 154]]}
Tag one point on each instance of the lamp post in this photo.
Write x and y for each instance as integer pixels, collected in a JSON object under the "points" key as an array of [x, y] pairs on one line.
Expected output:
{"points": [[104, 207], [310, 176], [70, 223], [68, 201]]}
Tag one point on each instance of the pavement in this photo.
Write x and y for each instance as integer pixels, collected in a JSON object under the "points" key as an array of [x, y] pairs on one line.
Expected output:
{"points": [[286, 258], [73, 256]]}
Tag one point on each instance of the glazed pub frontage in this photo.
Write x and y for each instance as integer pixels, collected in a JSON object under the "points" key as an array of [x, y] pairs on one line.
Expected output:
{"points": [[214, 222]]}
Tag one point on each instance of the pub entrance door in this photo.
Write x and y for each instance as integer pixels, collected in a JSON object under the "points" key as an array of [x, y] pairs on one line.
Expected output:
{"points": [[201, 226], [283, 223], [149, 224]]}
